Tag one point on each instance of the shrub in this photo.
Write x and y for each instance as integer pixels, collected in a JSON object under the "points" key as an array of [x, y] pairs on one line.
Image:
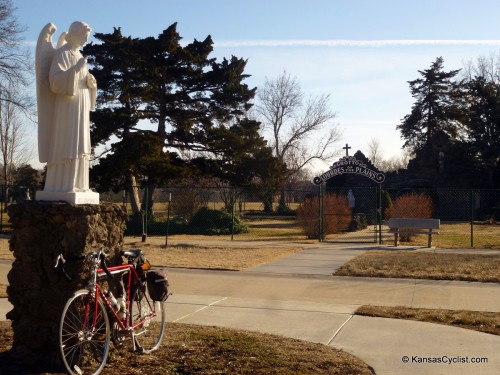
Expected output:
{"points": [[308, 217], [337, 215], [188, 201], [410, 206], [155, 227], [212, 222]]}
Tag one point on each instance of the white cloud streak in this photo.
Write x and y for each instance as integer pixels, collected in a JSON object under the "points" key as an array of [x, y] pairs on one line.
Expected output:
{"points": [[352, 43], [337, 43]]}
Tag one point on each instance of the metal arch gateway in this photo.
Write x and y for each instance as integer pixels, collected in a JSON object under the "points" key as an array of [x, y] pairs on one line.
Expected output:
{"points": [[349, 164]]}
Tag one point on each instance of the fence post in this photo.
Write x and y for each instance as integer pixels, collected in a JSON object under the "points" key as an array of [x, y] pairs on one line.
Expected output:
{"points": [[472, 218], [379, 213], [168, 219], [145, 215], [320, 212], [125, 200], [233, 202]]}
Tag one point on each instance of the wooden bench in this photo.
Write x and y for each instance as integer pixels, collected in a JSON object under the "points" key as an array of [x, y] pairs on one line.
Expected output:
{"points": [[413, 226]]}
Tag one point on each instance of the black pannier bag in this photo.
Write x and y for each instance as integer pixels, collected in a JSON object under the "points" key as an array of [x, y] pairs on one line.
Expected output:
{"points": [[157, 283]]}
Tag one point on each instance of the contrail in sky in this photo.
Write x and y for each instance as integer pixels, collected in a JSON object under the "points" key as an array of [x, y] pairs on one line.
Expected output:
{"points": [[352, 43], [339, 43]]}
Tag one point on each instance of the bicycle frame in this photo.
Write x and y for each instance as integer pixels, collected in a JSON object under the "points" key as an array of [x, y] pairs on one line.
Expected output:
{"points": [[129, 269], [90, 320], [96, 290]]}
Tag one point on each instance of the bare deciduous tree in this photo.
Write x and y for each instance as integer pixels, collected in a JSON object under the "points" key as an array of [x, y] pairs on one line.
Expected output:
{"points": [[15, 62], [15, 104], [485, 66], [14, 148], [300, 130], [375, 152], [395, 163]]}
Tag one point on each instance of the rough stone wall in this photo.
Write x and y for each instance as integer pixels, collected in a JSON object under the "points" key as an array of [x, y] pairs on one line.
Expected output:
{"points": [[41, 231]]}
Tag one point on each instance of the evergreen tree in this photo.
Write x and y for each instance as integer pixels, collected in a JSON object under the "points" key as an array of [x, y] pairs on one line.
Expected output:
{"points": [[197, 106], [436, 109], [483, 125]]}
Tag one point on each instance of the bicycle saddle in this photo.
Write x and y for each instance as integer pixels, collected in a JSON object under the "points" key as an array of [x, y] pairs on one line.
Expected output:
{"points": [[134, 253]]}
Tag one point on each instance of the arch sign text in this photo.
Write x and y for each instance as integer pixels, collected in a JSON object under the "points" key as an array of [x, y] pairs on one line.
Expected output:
{"points": [[349, 164]]}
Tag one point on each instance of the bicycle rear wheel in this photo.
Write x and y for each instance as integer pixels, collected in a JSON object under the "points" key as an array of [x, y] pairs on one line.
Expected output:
{"points": [[148, 318], [84, 344]]}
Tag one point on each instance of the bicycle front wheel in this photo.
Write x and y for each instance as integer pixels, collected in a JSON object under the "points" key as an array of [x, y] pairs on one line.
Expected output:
{"points": [[84, 334], [148, 320]]}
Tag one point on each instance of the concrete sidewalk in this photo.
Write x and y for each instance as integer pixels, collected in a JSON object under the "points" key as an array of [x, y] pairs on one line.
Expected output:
{"points": [[297, 297], [384, 344], [314, 260]]}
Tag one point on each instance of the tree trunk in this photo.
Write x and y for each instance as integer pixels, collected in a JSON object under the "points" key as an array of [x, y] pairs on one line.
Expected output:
{"points": [[282, 207], [267, 200], [268, 205], [133, 193]]}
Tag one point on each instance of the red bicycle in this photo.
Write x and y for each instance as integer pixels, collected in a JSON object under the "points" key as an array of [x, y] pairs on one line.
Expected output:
{"points": [[93, 316]]}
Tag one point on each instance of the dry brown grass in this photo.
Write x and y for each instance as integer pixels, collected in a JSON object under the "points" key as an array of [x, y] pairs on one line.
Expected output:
{"points": [[282, 228], [456, 235], [186, 252], [198, 252], [189, 349], [5, 253], [424, 265], [488, 322], [221, 255]]}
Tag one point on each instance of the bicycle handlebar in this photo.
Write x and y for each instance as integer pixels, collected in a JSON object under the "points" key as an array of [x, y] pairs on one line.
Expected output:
{"points": [[102, 255], [59, 266], [60, 261]]}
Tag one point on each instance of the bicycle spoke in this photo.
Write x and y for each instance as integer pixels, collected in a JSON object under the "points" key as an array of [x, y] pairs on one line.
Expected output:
{"points": [[84, 347], [149, 319]]}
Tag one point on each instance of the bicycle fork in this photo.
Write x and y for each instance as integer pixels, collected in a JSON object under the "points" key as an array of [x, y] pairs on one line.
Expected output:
{"points": [[85, 333]]}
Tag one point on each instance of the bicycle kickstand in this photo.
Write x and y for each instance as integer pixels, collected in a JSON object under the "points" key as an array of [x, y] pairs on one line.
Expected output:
{"points": [[136, 346]]}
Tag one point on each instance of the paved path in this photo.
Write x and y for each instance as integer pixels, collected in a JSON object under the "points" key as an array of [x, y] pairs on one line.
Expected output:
{"points": [[297, 297], [315, 260]]}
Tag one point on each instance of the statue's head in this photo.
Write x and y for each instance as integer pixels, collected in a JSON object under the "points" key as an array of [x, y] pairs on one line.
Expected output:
{"points": [[78, 33]]}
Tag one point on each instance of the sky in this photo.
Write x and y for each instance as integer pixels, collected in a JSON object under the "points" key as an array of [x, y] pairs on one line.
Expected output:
{"points": [[361, 52]]}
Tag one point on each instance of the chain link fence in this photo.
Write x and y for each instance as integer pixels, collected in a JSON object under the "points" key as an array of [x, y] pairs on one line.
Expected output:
{"points": [[469, 217], [10, 194], [247, 213]]}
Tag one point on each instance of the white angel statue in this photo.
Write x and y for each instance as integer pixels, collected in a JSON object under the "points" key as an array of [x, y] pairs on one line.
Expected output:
{"points": [[66, 92]]}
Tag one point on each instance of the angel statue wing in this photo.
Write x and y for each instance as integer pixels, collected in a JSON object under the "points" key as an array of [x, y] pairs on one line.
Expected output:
{"points": [[62, 40], [45, 97]]}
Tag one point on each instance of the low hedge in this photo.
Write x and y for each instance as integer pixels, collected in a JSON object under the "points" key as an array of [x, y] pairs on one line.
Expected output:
{"points": [[205, 221]]}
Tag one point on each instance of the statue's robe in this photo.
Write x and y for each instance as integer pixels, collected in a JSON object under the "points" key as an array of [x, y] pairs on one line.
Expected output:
{"points": [[68, 157]]}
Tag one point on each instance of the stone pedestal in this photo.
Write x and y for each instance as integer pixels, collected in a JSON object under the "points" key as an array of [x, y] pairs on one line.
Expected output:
{"points": [[41, 231]]}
